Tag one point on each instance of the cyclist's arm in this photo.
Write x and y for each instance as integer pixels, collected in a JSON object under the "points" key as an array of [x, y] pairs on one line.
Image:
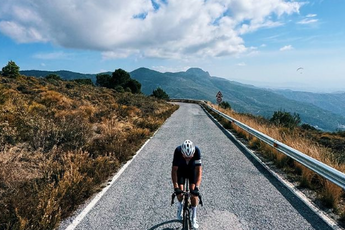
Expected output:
{"points": [[198, 170], [174, 176]]}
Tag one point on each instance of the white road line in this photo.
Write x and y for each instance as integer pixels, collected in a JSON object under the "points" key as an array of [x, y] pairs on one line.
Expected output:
{"points": [[94, 201], [332, 223]]}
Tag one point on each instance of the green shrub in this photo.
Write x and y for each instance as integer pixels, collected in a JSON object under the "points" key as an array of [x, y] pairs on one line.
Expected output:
{"points": [[285, 119], [10, 70], [160, 94], [84, 81], [53, 77], [225, 105]]}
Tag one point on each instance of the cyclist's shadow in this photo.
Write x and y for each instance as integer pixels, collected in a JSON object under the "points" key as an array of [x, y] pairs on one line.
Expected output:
{"points": [[164, 223]]}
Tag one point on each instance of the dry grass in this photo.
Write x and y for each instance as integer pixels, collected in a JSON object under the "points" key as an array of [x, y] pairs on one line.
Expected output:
{"points": [[330, 195], [59, 141]]}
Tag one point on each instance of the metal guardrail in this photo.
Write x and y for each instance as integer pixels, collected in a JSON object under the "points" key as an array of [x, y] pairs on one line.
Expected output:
{"points": [[318, 167]]}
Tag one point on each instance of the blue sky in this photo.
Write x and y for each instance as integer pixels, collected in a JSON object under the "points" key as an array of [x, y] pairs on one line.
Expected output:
{"points": [[260, 42]]}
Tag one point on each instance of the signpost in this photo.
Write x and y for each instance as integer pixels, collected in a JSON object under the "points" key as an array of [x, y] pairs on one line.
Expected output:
{"points": [[219, 98]]}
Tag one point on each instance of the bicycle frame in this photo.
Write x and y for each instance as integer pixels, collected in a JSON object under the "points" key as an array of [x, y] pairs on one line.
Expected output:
{"points": [[187, 220]]}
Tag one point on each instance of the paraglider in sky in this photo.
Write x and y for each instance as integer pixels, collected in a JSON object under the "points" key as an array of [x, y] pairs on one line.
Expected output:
{"points": [[299, 69]]}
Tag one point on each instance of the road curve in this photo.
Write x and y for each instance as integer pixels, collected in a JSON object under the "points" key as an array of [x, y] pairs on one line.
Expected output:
{"points": [[238, 193]]}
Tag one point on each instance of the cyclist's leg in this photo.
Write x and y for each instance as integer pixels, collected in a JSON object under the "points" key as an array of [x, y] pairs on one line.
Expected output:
{"points": [[194, 199], [180, 181], [192, 181]]}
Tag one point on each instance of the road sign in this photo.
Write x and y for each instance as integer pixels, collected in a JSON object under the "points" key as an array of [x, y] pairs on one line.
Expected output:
{"points": [[219, 100], [219, 94], [219, 97]]}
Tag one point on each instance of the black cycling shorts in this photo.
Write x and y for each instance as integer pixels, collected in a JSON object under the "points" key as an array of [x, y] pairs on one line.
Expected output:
{"points": [[183, 173]]}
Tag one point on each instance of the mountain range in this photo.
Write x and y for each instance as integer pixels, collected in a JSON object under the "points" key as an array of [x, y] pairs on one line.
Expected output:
{"points": [[323, 111]]}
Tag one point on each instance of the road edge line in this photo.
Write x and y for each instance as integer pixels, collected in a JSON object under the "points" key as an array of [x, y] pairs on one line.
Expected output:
{"points": [[94, 201], [329, 221]]}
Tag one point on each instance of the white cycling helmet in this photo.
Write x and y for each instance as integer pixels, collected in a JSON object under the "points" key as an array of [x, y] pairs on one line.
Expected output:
{"points": [[188, 148]]}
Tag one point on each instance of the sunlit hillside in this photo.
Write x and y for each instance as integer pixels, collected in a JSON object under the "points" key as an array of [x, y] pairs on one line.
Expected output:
{"points": [[322, 146], [60, 140]]}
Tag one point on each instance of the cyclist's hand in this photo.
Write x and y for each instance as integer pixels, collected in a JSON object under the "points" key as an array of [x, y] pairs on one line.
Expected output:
{"points": [[195, 192], [178, 191]]}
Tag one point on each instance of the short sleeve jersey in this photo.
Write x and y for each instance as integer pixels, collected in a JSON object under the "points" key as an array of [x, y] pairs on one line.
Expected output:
{"points": [[181, 162]]}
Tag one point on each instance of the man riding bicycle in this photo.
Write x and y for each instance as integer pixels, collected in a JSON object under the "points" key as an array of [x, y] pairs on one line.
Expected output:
{"points": [[187, 164]]}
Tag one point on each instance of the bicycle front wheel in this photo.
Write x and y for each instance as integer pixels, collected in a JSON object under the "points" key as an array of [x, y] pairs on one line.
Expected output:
{"points": [[186, 220]]}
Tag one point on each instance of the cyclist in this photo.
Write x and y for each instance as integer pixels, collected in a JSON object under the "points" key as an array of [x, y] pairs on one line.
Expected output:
{"points": [[187, 164]]}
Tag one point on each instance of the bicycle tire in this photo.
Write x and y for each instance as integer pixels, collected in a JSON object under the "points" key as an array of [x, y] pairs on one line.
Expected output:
{"points": [[186, 221], [186, 224]]}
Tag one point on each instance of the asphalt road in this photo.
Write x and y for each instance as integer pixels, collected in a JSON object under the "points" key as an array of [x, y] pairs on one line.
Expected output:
{"points": [[238, 193]]}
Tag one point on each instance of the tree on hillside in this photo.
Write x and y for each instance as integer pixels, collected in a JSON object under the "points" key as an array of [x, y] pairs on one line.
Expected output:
{"points": [[285, 119], [159, 93], [119, 77], [308, 127], [120, 80], [53, 76], [11, 70], [103, 80], [133, 85], [225, 105]]}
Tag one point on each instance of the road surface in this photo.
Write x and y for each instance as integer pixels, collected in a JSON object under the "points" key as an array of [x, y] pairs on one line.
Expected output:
{"points": [[238, 193]]}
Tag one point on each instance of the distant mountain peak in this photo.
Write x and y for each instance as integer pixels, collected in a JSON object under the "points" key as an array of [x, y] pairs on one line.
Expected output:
{"points": [[198, 72]]}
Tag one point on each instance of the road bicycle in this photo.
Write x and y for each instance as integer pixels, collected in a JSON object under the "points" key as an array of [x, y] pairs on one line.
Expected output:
{"points": [[187, 205]]}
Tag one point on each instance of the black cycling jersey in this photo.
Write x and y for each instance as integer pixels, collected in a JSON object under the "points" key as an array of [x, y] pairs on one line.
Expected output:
{"points": [[186, 170]]}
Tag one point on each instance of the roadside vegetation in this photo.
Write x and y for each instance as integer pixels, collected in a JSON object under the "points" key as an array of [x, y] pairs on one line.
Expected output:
{"points": [[61, 140], [160, 94], [120, 80], [323, 146]]}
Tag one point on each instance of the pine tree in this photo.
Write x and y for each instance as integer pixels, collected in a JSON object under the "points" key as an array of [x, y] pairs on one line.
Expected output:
{"points": [[11, 70]]}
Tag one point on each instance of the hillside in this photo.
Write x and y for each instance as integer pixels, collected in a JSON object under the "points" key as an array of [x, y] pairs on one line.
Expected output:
{"points": [[262, 102], [198, 84], [60, 141], [320, 111], [334, 102], [67, 75], [177, 85]]}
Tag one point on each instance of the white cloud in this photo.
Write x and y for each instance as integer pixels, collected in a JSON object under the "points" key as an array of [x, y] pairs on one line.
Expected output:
{"points": [[164, 69], [252, 51], [103, 71], [311, 15], [52, 56], [165, 29], [21, 33], [307, 21], [255, 26], [241, 64], [118, 54], [286, 48]]}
